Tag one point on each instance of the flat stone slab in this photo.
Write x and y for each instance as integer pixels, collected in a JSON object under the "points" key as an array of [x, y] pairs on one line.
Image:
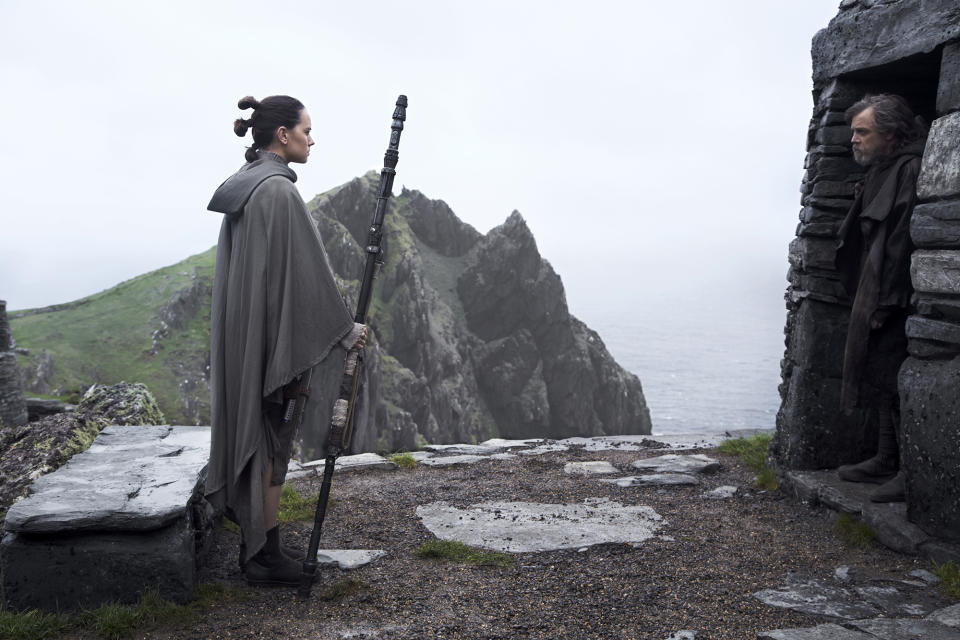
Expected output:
{"points": [[949, 616], [591, 468], [352, 463], [673, 463], [131, 478], [529, 527], [887, 521], [500, 443], [819, 632], [654, 480], [544, 448], [466, 449], [857, 598], [349, 558], [724, 492], [444, 461], [816, 597], [906, 629], [890, 525]]}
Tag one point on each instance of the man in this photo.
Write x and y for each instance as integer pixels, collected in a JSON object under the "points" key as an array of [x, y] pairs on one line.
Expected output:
{"points": [[873, 259]]}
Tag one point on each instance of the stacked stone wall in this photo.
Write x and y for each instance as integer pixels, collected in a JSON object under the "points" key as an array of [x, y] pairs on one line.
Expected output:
{"points": [[13, 408], [930, 378], [810, 431], [911, 48]]}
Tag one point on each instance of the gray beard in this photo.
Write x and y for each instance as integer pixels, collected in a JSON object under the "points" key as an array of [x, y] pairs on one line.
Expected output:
{"points": [[863, 159]]}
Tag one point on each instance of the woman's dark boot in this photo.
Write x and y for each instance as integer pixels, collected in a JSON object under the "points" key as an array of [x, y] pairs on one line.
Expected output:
{"points": [[883, 466], [270, 566]]}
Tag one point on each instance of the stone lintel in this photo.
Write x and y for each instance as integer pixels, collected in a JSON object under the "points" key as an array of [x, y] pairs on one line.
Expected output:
{"points": [[936, 225], [936, 271], [874, 36], [940, 172]]}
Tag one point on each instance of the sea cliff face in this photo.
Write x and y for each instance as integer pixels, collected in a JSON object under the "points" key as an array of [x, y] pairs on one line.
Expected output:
{"points": [[472, 337]]}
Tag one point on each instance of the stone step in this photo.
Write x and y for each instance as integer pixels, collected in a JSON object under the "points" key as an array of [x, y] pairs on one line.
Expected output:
{"points": [[124, 516]]}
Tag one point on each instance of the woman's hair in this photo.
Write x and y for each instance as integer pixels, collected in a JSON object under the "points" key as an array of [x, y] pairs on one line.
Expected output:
{"points": [[269, 114]]}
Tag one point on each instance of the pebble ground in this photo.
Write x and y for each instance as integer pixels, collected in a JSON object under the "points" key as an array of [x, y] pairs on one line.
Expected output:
{"points": [[698, 574]]}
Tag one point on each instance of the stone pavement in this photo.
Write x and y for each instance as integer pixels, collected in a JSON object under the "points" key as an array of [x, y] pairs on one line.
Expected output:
{"points": [[857, 607], [136, 487]]}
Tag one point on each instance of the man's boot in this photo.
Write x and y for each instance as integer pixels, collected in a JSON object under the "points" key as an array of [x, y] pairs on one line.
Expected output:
{"points": [[883, 466], [270, 566], [894, 490]]}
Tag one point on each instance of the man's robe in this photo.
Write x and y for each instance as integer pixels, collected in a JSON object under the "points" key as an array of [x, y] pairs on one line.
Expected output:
{"points": [[873, 257], [276, 312]]}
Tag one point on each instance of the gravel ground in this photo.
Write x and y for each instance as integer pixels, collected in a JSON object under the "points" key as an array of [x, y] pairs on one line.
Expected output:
{"points": [[721, 552]]}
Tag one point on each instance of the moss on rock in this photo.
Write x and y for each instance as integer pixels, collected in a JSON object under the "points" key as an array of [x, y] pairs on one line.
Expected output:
{"points": [[37, 448], [123, 403]]}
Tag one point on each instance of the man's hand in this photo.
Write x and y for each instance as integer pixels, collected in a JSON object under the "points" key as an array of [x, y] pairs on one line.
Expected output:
{"points": [[879, 317]]}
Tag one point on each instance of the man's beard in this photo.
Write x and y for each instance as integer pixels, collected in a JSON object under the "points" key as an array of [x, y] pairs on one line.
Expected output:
{"points": [[867, 159]]}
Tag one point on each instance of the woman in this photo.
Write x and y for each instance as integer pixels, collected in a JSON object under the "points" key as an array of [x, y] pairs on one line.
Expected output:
{"points": [[276, 312]]}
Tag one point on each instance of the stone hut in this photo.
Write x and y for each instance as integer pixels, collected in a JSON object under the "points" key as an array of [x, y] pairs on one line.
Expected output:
{"points": [[911, 48], [13, 409]]}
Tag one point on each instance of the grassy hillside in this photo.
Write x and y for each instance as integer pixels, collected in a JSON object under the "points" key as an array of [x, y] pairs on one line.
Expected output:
{"points": [[152, 329]]}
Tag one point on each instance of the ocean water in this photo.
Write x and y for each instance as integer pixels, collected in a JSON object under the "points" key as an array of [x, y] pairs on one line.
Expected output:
{"points": [[701, 372]]}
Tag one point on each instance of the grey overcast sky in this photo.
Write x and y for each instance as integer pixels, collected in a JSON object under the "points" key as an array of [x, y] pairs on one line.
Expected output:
{"points": [[652, 147]]}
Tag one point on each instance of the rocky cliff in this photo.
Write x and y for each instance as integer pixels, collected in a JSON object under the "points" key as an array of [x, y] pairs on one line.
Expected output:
{"points": [[472, 335]]}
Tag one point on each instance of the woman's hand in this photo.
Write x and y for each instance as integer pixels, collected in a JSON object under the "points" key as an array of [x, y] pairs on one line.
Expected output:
{"points": [[362, 340]]}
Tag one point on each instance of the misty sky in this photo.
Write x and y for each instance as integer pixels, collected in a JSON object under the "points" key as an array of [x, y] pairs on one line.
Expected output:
{"points": [[654, 148]]}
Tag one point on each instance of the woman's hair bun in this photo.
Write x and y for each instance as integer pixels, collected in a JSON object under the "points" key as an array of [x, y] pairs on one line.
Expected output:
{"points": [[240, 126], [248, 102]]}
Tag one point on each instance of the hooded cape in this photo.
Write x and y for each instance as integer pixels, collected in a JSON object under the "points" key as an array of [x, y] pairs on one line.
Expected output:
{"points": [[873, 256], [276, 312]]}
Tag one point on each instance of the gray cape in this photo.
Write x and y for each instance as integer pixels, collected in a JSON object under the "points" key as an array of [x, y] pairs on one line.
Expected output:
{"points": [[276, 312]]}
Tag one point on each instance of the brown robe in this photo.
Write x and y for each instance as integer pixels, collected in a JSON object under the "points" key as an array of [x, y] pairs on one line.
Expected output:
{"points": [[873, 258], [276, 312]]}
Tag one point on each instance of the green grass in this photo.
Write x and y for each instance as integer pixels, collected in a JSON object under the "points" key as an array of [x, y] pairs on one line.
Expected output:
{"points": [[753, 452], [342, 589], [107, 337], [33, 625], [949, 575], [403, 460], [294, 507], [853, 532], [459, 552], [115, 621]]}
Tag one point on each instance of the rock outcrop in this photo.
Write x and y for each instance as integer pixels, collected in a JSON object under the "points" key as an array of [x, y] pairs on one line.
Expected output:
{"points": [[13, 409], [32, 450], [910, 48], [475, 338]]}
